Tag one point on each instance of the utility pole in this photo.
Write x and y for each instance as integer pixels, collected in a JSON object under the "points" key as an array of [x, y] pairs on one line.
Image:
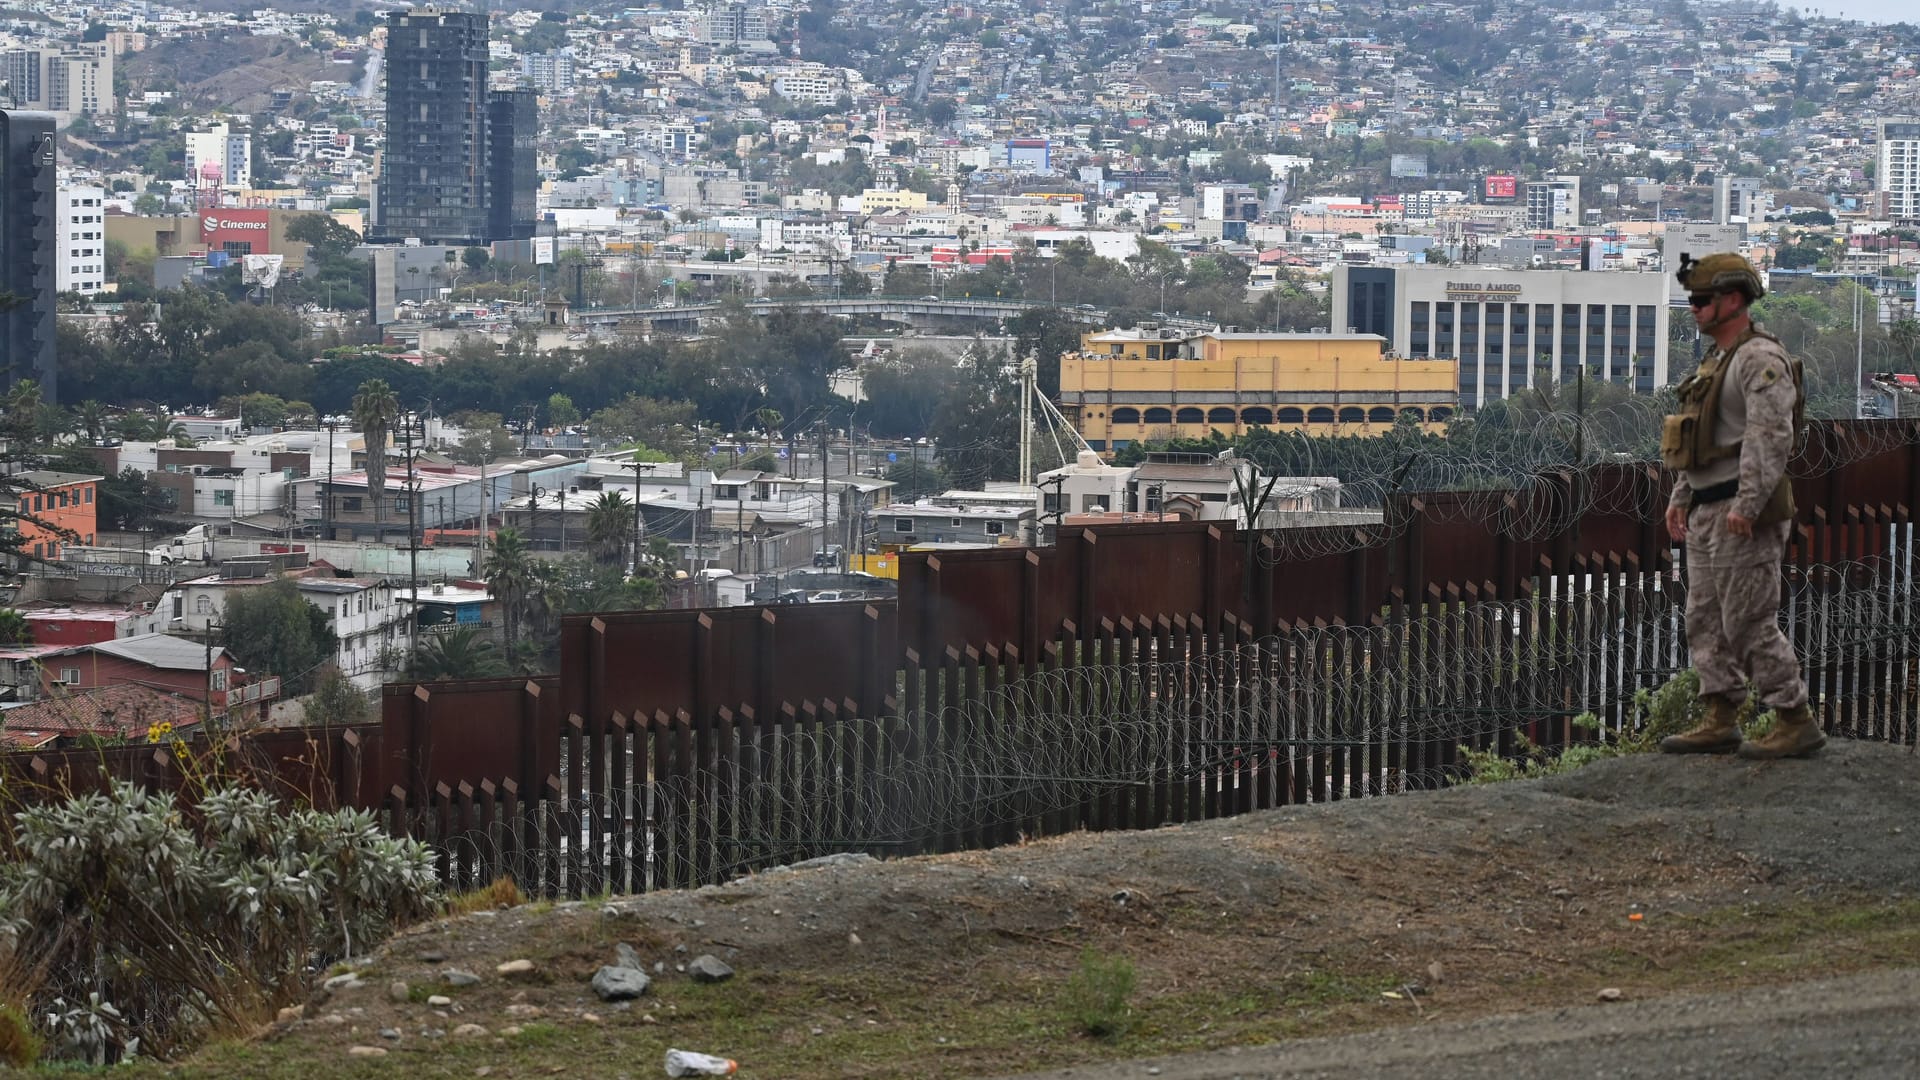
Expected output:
{"points": [[823, 490], [413, 545], [326, 504]]}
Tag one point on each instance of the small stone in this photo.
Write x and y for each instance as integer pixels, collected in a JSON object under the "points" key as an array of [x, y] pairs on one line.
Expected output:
{"points": [[469, 1031], [510, 1031], [367, 1051], [1153, 1070], [289, 1014], [708, 968], [591, 1018], [1611, 993], [514, 967], [524, 1012], [854, 940], [819, 1031], [484, 1070], [333, 1019], [434, 956], [439, 1001], [1435, 973], [457, 977], [649, 1018], [397, 991], [624, 956], [348, 981]]}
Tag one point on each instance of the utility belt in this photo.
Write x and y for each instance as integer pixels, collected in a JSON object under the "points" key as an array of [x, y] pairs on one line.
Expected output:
{"points": [[1715, 493]]}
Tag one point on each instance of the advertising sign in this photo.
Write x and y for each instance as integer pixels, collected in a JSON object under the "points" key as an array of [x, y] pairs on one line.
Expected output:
{"points": [[219, 228], [1502, 187], [543, 251]]}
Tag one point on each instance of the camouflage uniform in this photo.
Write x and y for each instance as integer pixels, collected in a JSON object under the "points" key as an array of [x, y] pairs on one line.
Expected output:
{"points": [[1733, 582]]}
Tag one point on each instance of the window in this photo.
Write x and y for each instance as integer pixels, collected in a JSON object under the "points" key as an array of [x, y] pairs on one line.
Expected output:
{"points": [[203, 605], [1126, 416], [1257, 415], [70, 675], [956, 523], [402, 503], [903, 525], [1191, 416], [223, 497], [1159, 416], [996, 528], [219, 680], [351, 505], [89, 496]]}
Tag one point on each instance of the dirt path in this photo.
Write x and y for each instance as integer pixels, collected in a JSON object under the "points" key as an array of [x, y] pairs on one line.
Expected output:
{"points": [[1649, 875]]}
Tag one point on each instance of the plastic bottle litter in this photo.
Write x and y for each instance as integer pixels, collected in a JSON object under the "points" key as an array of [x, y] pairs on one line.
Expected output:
{"points": [[691, 1063]]}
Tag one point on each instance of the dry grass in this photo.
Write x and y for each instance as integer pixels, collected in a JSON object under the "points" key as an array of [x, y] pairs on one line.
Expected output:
{"points": [[500, 893]]}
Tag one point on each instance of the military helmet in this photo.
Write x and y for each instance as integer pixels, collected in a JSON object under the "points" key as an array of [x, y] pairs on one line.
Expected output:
{"points": [[1721, 272]]}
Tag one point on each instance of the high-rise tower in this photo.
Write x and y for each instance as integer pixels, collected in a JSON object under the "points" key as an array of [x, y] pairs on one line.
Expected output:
{"points": [[435, 165], [27, 257]]}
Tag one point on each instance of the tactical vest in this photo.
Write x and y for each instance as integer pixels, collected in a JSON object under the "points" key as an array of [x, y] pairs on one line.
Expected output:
{"points": [[1687, 437]]}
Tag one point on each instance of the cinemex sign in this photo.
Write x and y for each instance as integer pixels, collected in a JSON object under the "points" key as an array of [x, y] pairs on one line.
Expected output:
{"points": [[1472, 290], [221, 227]]}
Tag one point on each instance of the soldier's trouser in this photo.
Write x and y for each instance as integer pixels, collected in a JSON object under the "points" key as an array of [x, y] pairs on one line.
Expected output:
{"points": [[1733, 609]]}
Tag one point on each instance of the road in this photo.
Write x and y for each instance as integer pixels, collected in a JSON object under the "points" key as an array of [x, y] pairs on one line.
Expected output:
{"points": [[1859, 1027]]}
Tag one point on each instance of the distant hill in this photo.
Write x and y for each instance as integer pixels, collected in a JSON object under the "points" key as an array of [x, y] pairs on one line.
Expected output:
{"points": [[238, 73]]}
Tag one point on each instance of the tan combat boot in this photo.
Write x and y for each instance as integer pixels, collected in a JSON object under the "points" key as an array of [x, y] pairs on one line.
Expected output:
{"points": [[1795, 734], [1718, 733]]}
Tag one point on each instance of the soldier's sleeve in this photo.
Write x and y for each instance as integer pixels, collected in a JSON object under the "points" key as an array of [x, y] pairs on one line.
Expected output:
{"points": [[1682, 491], [1767, 383]]}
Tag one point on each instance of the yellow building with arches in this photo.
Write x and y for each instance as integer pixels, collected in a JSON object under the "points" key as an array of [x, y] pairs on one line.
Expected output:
{"points": [[1154, 383]]}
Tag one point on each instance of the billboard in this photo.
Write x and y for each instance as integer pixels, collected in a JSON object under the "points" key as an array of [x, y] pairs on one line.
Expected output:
{"points": [[1501, 188], [1407, 166], [543, 250], [218, 228]]}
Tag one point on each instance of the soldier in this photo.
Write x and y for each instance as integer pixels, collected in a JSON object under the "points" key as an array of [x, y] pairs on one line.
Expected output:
{"points": [[1732, 505]]}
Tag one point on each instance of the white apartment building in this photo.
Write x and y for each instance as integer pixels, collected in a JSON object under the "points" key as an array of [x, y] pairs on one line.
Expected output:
{"points": [[370, 626], [1898, 171], [230, 150], [809, 89], [70, 80], [1553, 203], [80, 247]]}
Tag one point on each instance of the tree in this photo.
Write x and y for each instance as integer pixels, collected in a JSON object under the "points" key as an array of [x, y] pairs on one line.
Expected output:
{"points": [[486, 438], [476, 258], [609, 527], [510, 577], [561, 412], [326, 236], [337, 701], [14, 628], [375, 408], [272, 629], [914, 479], [460, 653], [663, 425]]}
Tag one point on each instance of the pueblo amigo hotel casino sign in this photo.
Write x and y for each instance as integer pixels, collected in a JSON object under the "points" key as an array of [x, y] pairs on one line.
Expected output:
{"points": [[1470, 290]]}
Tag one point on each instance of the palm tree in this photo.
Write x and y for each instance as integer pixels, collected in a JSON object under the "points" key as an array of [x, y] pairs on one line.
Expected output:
{"points": [[510, 577], [375, 408], [14, 628], [609, 526], [459, 654], [93, 420]]}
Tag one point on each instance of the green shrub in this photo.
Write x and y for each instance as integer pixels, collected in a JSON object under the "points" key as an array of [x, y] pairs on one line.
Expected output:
{"points": [[1668, 709], [148, 931], [1097, 994], [19, 1046]]}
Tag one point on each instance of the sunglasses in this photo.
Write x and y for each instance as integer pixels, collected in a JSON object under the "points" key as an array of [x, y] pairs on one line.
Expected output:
{"points": [[1700, 300]]}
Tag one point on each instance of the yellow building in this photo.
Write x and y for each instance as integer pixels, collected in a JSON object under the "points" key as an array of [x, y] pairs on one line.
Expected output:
{"points": [[1152, 383], [874, 201]]}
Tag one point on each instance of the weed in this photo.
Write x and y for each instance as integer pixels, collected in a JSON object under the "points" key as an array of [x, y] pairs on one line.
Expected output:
{"points": [[1097, 994], [19, 1046], [539, 1033], [501, 892]]}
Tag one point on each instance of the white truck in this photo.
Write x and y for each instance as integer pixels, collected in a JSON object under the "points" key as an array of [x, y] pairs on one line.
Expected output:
{"points": [[192, 546]]}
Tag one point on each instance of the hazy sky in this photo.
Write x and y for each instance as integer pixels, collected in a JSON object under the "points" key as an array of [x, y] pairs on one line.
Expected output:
{"points": [[1866, 10]]}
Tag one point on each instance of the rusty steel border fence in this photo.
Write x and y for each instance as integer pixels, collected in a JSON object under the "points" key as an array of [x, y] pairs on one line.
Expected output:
{"points": [[1126, 677]]}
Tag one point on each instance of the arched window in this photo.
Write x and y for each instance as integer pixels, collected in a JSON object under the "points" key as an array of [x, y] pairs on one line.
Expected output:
{"points": [[1320, 415], [1353, 414], [1413, 414], [1126, 416], [1257, 415], [1220, 414], [1291, 416], [1191, 416], [1380, 414], [1440, 413], [1159, 416]]}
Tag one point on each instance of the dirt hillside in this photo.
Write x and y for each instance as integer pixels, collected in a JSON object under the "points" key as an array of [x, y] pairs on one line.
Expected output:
{"points": [[1644, 875]]}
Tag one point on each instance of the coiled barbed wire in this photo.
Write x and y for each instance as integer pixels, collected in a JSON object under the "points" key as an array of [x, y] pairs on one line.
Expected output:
{"points": [[1191, 726]]}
